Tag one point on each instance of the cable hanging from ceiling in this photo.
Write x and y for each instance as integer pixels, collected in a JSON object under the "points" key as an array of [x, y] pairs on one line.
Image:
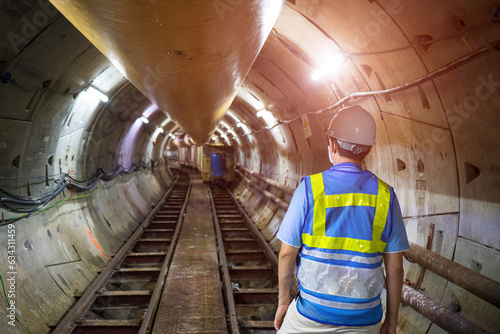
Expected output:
{"points": [[488, 48]]}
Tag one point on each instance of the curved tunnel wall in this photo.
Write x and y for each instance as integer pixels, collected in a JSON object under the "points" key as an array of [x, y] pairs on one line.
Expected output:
{"points": [[437, 142]]}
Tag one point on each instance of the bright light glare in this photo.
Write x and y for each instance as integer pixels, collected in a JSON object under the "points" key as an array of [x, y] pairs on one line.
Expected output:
{"points": [[329, 67], [262, 113], [245, 128], [165, 122], [149, 110], [171, 135], [251, 100], [144, 119], [157, 132], [233, 116], [95, 93], [268, 118], [224, 124]]}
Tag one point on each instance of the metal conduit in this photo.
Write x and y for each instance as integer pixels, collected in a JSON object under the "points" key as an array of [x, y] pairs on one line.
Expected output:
{"points": [[438, 314], [477, 284], [285, 188]]}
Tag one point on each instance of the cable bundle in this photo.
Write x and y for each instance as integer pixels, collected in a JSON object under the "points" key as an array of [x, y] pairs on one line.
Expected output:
{"points": [[27, 206]]}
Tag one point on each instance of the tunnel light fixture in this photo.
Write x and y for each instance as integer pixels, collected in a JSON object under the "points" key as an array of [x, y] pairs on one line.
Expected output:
{"points": [[97, 94], [245, 128], [144, 119], [171, 135], [263, 113], [328, 67], [160, 130]]}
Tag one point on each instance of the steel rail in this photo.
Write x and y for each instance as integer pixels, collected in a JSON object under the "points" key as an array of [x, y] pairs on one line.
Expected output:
{"points": [[72, 319], [263, 242], [68, 323], [233, 320], [160, 283]]}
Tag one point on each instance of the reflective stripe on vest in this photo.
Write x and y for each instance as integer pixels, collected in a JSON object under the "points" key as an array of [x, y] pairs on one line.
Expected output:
{"points": [[318, 239]]}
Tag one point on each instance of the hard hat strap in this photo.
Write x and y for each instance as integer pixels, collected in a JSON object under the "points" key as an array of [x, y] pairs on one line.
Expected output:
{"points": [[354, 148]]}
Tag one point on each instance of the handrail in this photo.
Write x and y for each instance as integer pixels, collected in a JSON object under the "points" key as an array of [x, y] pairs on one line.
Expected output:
{"points": [[280, 186], [282, 204]]}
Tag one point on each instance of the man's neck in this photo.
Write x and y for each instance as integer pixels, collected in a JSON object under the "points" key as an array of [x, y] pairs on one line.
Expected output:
{"points": [[340, 160]]}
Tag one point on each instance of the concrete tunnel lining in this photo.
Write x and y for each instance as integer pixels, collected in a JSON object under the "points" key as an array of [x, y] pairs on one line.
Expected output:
{"points": [[435, 131]]}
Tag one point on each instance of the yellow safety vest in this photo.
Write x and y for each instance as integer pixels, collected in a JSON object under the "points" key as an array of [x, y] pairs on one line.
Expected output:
{"points": [[380, 202]]}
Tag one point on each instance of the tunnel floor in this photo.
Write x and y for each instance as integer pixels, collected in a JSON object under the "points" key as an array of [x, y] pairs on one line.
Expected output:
{"points": [[192, 298], [195, 265]]}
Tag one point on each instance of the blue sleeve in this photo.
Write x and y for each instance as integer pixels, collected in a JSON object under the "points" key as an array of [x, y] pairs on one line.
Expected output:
{"points": [[397, 241], [290, 231]]}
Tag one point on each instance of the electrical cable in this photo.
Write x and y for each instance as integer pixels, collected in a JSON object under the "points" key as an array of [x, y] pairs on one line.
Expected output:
{"points": [[413, 46], [490, 47], [18, 204]]}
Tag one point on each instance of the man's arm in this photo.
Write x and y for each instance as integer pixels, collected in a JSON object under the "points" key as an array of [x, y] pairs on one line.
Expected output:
{"points": [[394, 284], [286, 265]]}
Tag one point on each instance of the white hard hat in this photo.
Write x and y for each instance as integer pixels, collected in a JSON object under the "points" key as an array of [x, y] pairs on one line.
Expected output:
{"points": [[353, 125]]}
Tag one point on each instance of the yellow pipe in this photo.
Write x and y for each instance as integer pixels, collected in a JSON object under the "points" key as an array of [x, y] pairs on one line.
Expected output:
{"points": [[189, 57]]}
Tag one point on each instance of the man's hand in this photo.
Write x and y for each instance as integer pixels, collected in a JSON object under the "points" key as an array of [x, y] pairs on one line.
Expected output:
{"points": [[394, 284], [387, 329], [280, 315], [286, 265]]}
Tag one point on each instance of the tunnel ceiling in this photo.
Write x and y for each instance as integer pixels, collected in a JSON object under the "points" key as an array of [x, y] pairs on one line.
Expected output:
{"points": [[188, 57]]}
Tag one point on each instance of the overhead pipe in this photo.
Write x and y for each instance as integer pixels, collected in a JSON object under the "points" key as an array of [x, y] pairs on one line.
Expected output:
{"points": [[188, 57], [282, 204], [280, 186], [477, 284], [438, 314]]}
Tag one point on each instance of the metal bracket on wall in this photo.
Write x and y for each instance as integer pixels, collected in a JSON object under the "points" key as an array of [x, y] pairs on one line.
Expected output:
{"points": [[430, 237]]}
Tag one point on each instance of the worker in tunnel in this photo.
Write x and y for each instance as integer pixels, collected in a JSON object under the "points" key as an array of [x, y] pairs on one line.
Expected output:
{"points": [[341, 225]]}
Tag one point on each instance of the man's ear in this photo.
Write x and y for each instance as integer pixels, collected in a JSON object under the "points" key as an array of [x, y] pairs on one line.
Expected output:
{"points": [[334, 148]]}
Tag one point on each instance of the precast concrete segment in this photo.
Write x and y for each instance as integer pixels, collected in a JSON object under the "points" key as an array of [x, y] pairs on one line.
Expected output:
{"points": [[192, 298], [187, 57]]}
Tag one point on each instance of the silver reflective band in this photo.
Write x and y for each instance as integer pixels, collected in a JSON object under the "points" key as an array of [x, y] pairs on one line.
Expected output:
{"points": [[344, 257], [345, 306], [341, 281]]}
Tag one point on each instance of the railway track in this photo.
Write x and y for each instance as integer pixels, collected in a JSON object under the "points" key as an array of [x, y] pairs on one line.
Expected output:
{"points": [[124, 297], [248, 267]]}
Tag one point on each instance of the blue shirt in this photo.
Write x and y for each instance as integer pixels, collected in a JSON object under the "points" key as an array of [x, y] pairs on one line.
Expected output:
{"points": [[291, 228]]}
